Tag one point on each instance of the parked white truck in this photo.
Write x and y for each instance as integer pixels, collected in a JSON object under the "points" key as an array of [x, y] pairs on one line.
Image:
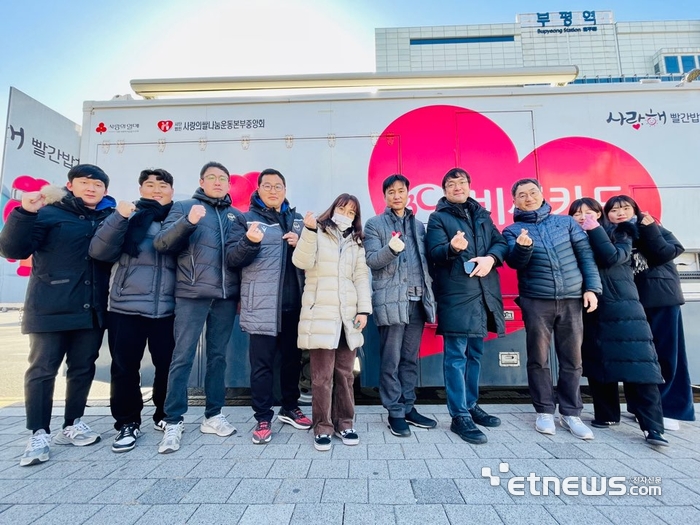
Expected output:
{"points": [[578, 140]]}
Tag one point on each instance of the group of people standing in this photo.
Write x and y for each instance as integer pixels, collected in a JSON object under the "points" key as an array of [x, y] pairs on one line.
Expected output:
{"points": [[159, 274]]}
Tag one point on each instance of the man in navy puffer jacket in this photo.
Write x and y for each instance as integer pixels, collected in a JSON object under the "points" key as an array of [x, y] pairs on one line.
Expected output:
{"points": [[557, 277]]}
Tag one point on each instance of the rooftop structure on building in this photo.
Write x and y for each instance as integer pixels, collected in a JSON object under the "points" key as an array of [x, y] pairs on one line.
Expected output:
{"points": [[604, 50]]}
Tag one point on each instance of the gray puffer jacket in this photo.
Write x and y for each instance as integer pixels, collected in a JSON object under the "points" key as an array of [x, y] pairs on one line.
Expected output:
{"points": [[390, 271], [263, 267], [559, 263], [143, 285], [202, 272]]}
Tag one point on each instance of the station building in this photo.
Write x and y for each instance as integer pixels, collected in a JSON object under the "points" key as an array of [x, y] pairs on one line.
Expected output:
{"points": [[603, 49]]}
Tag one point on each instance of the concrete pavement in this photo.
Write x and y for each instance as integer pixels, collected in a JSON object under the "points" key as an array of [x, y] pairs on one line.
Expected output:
{"points": [[431, 477]]}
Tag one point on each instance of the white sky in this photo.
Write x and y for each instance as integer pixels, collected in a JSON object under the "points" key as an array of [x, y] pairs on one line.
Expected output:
{"points": [[64, 52]]}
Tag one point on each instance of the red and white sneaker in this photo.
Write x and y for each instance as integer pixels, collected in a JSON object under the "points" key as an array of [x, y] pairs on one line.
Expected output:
{"points": [[295, 417], [262, 433]]}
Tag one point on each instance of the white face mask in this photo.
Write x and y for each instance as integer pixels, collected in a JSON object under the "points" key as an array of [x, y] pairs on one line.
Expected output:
{"points": [[342, 221]]}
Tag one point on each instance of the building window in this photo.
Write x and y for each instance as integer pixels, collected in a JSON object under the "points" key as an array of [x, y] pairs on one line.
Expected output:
{"points": [[688, 62], [671, 64], [462, 40]]}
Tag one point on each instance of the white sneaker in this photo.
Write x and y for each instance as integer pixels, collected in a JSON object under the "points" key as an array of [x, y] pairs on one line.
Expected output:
{"points": [[574, 425], [159, 425], [671, 424], [218, 425], [545, 424], [37, 450], [78, 434], [171, 438]]}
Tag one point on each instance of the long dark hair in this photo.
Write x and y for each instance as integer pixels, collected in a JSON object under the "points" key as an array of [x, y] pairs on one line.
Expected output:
{"points": [[616, 232], [619, 200], [325, 220]]}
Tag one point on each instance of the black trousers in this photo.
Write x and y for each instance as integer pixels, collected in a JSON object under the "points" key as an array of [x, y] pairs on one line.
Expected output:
{"points": [[262, 352], [46, 353], [643, 399], [128, 336]]}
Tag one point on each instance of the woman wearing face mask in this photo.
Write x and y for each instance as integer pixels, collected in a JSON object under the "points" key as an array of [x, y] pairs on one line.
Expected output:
{"points": [[660, 292], [617, 341], [335, 304]]}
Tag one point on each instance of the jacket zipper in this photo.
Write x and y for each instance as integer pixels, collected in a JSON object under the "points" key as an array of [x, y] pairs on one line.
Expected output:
{"points": [[223, 255]]}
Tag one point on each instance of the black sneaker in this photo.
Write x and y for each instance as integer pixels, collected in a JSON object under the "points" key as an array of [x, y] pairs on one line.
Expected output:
{"points": [[654, 437], [125, 440], [604, 424], [399, 427], [415, 419], [322, 442], [348, 436], [480, 417], [465, 428]]}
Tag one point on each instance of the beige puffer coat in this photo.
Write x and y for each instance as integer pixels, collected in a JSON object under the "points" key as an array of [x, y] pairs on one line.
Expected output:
{"points": [[337, 288]]}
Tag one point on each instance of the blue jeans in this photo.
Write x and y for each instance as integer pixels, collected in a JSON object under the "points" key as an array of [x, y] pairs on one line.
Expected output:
{"points": [[190, 316], [462, 367]]}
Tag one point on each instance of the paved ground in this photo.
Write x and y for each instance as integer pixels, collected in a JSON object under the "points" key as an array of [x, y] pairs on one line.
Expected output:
{"points": [[430, 478]]}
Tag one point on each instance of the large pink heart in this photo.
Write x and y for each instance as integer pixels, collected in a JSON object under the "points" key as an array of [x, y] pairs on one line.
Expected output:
{"points": [[425, 143]]}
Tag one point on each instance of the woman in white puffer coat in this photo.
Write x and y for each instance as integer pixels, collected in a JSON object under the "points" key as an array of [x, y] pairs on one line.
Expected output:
{"points": [[336, 301]]}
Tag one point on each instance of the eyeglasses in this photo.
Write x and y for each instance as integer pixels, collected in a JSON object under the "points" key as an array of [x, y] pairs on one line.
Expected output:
{"points": [[269, 187], [454, 184], [214, 178]]}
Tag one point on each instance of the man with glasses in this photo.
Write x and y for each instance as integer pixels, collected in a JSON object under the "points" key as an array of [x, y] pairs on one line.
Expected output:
{"points": [[206, 291], [464, 246], [271, 288], [557, 278]]}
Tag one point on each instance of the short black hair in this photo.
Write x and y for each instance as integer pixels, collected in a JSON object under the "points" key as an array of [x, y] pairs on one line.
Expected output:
{"points": [[455, 173], [160, 174], [391, 179], [213, 164], [522, 182], [271, 171], [88, 171]]}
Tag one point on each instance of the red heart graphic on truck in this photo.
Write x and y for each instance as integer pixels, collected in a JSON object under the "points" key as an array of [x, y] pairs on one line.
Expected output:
{"points": [[165, 125], [425, 143]]}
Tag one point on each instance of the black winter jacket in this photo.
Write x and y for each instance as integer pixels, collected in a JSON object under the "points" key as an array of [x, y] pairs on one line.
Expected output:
{"points": [[143, 285], [466, 306], [67, 288], [559, 263], [660, 284], [617, 343], [202, 272], [267, 272]]}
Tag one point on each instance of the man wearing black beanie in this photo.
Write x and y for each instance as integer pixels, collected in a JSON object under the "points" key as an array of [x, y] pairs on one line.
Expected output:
{"points": [[65, 306]]}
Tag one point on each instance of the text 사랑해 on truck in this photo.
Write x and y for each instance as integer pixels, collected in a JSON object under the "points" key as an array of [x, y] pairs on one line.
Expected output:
{"points": [[599, 140]]}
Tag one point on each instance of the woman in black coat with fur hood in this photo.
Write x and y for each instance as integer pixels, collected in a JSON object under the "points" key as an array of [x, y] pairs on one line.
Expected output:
{"points": [[618, 343]]}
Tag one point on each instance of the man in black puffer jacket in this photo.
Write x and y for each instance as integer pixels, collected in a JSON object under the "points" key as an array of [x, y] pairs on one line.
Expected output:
{"points": [[141, 303], [557, 277], [464, 246], [206, 290], [66, 303]]}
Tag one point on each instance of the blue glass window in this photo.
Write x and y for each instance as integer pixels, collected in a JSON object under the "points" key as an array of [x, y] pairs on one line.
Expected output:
{"points": [[671, 64], [688, 62], [462, 40]]}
